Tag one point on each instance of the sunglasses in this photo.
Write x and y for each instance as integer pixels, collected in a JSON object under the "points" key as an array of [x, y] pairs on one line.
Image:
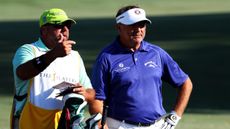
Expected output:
{"points": [[61, 26]]}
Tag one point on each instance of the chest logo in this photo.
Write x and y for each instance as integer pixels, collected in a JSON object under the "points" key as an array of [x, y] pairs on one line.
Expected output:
{"points": [[121, 65], [151, 64], [121, 68]]}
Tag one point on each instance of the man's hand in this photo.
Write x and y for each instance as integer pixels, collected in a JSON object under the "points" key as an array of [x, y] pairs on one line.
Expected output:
{"points": [[88, 93], [171, 120], [63, 47]]}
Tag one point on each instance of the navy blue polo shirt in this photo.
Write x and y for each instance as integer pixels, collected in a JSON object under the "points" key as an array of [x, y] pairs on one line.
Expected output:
{"points": [[134, 80]]}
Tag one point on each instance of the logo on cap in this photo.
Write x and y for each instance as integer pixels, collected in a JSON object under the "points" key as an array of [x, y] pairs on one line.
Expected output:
{"points": [[137, 12], [44, 19]]}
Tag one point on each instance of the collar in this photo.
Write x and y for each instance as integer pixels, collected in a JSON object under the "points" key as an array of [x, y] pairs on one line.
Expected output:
{"points": [[41, 46]]}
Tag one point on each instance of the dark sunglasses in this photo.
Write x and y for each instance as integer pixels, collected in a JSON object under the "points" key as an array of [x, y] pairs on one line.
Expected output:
{"points": [[61, 26]]}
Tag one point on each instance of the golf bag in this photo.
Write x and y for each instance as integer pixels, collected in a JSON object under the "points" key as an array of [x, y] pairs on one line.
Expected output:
{"points": [[72, 116]]}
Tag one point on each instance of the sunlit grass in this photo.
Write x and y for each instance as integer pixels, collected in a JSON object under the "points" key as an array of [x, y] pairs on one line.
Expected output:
{"points": [[24, 9], [201, 120], [199, 42]]}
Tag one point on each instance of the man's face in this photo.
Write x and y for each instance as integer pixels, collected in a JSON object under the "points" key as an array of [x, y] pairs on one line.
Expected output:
{"points": [[53, 33], [132, 35]]}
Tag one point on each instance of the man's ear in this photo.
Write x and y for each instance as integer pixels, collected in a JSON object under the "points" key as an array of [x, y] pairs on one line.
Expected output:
{"points": [[118, 27], [43, 30]]}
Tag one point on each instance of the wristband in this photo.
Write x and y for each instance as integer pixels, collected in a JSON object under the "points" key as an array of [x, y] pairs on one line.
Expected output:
{"points": [[39, 63]]}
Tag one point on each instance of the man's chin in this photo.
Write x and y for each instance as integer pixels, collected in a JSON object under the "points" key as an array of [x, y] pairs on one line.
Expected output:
{"points": [[137, 40]]}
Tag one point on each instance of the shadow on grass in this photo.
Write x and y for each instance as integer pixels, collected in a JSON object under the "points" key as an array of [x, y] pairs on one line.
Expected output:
{"points": [[199, 43]]}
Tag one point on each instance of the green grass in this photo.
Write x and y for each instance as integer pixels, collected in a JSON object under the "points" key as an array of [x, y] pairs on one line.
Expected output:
{"points": [[6, 102], [195, 32], [31, 9], [204, 121], [201, 120]]}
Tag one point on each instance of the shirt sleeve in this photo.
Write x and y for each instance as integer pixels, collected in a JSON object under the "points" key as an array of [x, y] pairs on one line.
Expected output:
{"points": [[22, 55], [84, 78], [172, 73], [100, 77]]}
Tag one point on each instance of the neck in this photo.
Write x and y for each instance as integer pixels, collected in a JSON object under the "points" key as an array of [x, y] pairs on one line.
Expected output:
{"points": [[46, 43], [131, 45]]}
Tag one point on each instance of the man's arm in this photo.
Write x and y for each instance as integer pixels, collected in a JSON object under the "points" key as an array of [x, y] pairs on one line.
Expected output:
{"points": [[30, 69], [183, 97], [96, 106], [172, 119]]}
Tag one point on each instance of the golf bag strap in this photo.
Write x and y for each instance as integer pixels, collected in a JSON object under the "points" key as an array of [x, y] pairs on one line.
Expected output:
{"points": [[20, 97], [14, 119]]}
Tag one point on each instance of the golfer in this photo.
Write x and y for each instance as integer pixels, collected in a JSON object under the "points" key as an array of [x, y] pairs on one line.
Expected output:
{"points": [[128, 75]]}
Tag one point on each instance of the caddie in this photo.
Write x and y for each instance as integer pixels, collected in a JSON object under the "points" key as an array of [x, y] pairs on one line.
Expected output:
{"points": [[128, 74], [39, 66]]}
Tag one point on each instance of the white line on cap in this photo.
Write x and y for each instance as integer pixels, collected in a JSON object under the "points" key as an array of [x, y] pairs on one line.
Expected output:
{"points": [[132, 16]]}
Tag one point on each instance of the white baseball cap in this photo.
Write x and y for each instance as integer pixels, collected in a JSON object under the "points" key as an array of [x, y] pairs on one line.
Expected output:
{"points": [[132, 16]]}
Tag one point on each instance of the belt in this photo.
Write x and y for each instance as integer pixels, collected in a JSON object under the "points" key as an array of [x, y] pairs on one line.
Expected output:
{"points": [[139, 124]]}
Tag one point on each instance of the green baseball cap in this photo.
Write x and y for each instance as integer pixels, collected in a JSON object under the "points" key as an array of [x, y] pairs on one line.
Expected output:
{"points": [[54, 16]]}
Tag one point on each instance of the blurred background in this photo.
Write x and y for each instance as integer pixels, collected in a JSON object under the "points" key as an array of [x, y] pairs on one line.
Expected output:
{"points": [[196, 33]]}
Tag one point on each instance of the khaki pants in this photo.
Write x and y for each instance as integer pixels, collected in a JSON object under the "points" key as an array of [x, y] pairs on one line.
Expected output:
{"points": [[115, 124]]}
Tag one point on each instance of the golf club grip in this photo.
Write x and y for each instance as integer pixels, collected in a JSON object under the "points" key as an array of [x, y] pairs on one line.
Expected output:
{"points": [[104, 115]]}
